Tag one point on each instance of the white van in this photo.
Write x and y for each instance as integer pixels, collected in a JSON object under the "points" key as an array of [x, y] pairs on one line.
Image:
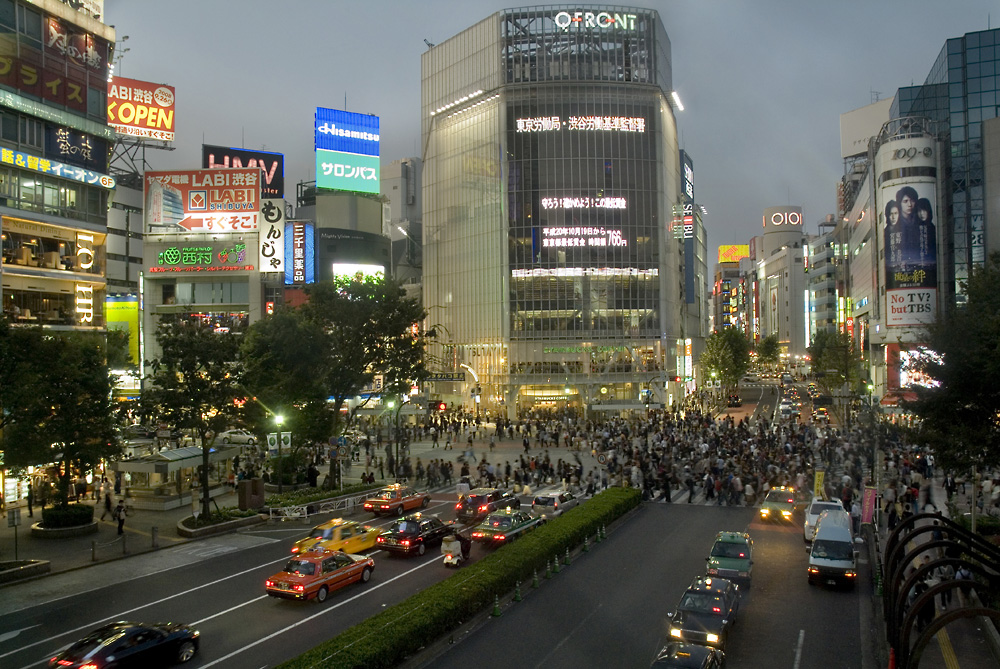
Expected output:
{"points": [[832, 558]]}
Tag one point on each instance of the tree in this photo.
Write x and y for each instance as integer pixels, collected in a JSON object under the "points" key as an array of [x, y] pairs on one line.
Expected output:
{"points": [[727, 354], [961, 416], [195, 385], [56, 401], [348, 333], [835, 354], [768, 350]]}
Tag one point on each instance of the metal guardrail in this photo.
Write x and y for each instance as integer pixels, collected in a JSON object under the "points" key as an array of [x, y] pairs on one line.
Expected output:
{"points": [[331, 505]]}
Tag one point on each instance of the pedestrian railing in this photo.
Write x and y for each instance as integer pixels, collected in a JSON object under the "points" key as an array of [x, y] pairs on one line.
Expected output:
{"points": [[118, 546], [302, 512]]}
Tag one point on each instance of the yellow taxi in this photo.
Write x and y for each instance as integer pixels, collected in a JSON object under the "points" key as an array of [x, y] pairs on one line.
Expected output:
{"points": [[339, 535], [316, 573], [396, 500]]}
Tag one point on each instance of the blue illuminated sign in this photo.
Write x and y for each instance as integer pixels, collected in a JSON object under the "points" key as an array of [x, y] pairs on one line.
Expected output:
{"points": [[347, 132]]}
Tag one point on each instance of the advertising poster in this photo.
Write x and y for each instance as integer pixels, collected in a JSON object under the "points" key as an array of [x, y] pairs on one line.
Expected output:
{"points": [[121, 312], [216, 200], [200, 257], [347, 151], [141, 109], [868, 505], [272, 164], [910, 243]]}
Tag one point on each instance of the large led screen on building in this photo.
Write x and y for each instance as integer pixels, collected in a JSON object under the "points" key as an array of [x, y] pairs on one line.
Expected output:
{"points": [[347, 151], [215, 200], [272, 165], [734, 252], [141, 109], [121, 312], [910, 244]]}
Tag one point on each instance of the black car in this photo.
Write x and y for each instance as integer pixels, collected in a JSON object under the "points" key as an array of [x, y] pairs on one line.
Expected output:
{"points": [[480, 502], [735, 401], [128, 644], [412, 534], [706, 612], [690, 656]]}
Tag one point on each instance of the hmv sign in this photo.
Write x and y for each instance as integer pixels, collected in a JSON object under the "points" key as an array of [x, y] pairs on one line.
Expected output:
{"points": [[273, 165]]}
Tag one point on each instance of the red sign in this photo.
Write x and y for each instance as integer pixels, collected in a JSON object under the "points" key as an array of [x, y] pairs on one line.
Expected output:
{"points": [[141, 109], [216, 200]]}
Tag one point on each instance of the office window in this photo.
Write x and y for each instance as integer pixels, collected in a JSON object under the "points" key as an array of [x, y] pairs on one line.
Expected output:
{"points": [[30, 25]]}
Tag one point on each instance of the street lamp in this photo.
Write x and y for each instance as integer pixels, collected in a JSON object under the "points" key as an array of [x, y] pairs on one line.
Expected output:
{"points": [[278, 420]]}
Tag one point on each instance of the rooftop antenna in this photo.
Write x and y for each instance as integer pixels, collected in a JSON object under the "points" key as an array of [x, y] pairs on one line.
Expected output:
{"points": [[876, 95], [429, 44]]}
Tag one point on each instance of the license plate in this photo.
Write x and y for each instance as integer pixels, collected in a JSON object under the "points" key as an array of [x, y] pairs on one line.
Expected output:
{"points": [[831, 581]]}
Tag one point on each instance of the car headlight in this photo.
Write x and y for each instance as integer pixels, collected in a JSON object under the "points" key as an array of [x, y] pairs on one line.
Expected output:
{"points": [[786, 514], [712, 638], [675, 632]]}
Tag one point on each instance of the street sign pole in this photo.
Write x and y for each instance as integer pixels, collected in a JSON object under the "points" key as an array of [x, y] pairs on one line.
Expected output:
{"points": [[13, 520]]}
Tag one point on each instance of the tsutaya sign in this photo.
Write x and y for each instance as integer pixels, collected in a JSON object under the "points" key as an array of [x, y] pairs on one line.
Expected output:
{"points": [[604, 20]]}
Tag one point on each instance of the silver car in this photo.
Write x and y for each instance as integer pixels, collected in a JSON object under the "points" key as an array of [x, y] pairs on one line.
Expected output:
{"points": [[817, 507], [554, 503]]}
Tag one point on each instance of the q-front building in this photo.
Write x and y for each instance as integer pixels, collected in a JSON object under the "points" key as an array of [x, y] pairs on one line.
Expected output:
{"points": [[551, 174]]}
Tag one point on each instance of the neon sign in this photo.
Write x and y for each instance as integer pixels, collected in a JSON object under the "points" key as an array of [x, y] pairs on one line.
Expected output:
{"points": [[583, 203], [611, 123], [582, 236], [602, 20]]}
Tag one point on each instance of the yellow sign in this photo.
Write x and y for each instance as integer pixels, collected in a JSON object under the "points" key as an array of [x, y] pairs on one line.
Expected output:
{"points": [[733, 252], [818, 485]]}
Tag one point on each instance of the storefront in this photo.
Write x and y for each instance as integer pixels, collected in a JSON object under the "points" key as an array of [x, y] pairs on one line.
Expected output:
{"points": [[169, 478]]}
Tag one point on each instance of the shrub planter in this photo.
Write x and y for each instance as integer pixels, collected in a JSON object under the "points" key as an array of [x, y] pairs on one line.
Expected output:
{"points": [[61, 532], [16, 571], [219, 528]]}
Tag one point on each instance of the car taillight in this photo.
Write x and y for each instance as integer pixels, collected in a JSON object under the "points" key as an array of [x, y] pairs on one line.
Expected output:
{"points": [[406, 542], [716, 609], [268, 584], [458, 506], [64, 663], [385, 506], [299, 588], [477, 534], [484, 507], [813, 570], [380, 540], [743, 554], [295, 549], [89, 665], [850, 574], [500, 537]]}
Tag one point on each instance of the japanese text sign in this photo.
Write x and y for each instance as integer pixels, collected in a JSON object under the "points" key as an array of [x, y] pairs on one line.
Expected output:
{"points": [[55, 168], [141, 109], [201, 257], [216, 200]]}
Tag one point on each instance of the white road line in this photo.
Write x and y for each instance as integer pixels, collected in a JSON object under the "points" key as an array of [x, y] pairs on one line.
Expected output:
{"points": [[122, 614], [326, 610], [798, 649], [232, 608]]}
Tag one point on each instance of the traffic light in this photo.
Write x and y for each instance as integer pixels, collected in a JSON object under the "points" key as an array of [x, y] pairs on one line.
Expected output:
{"points": [[442, 406]]}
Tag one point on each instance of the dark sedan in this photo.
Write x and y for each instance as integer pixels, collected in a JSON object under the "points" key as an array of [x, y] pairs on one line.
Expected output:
{"points": [[480, 502], [706, 612], [413, 533], [126, 644]]}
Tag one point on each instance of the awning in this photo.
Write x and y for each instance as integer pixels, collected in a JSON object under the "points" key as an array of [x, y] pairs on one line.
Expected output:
{"points": [[892, 399], [171, 460]]}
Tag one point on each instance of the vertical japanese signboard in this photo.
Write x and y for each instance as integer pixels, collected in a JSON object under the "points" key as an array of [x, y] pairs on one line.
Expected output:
{"points": [[272, 230], [301, 253], [347, 151]]}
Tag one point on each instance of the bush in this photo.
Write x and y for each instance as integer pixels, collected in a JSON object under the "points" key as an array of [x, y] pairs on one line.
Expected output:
{"points": [[73, 515], [386, 639]]}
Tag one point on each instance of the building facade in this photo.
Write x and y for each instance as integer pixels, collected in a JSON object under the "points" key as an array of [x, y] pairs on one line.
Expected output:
{"points": [[778, 282], [551, 173]]}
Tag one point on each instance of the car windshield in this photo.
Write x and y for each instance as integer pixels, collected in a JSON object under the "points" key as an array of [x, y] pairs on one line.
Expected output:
{"points": [[783, 496], [818, 508], [475, 500], [702, 602], [321, 533], [405, 527], [502, 523], [833, 550], [544, 501], [300, 567], [729, 550]]}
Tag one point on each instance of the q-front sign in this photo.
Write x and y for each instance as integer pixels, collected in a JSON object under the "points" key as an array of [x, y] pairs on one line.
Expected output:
{"points": [[599, 20]]}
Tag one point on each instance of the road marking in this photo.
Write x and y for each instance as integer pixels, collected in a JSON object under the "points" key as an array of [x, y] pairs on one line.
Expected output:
{"points": [[121, 615], [326, 610], [232, 608], [568, 636], [7, 636], [798, 649], [947, 650]]}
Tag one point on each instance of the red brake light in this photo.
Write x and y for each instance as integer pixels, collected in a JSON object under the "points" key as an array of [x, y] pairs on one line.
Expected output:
{"points": [[267, 584], [380, 540], [295, 549], [406, 542], [458, 506], [791, 501], [500, 537], [716, 609], [484, 507], [299, 588], [743, 554], [89, 665]]}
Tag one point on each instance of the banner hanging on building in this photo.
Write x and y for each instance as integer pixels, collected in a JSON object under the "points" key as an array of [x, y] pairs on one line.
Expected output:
{"points": [[141, 109]]}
